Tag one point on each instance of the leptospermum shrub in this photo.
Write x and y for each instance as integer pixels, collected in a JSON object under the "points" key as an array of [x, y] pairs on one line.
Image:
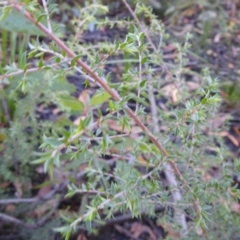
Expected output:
{"points": [[142, 138]]}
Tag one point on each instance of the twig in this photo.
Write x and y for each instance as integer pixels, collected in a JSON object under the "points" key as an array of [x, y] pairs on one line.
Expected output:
{"points": [[7, 218], [140, 25], [114, 95], [40, 222], [124, 231], [129, 158], [18, 200], [176, 195], [47, 216], [37, 199], [68, 60], [139, 76], [31, 70], [118, 219], [71, 139], [47, 13], [110, 137]]}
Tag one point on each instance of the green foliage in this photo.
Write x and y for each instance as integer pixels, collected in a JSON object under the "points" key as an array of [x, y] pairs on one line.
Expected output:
{"points": [[15, 21], [46, 231], [231, 92], [24, 132], [99, 98], [134, 185]]}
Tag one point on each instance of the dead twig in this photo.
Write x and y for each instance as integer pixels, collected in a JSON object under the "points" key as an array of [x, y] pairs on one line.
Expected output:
{"points": [[17, 201], [37, 199], [124, 231], [40, 222]]}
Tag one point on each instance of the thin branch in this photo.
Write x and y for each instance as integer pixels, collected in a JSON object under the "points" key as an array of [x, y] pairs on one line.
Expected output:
{"points": [[139, 76], [18, 200], [140, 25], [101, 206], [127, 233], [72, 138], [45, 218], [118, 219], [40, 222], [37, 199], [110, 137], [7, 218], [176, 195], [128, 158], [47, 13], [68, 61], [31, 70], [111, 91]]}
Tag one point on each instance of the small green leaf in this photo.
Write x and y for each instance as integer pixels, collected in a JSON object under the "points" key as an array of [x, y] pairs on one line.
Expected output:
{"points": [[144, 147], [42, 159], [6, 11], [71, 103], [116, 46], [66, 231], [24, 86], [111, 105], [88, 225], [51, 141], [57, 160], [92, 214], [123, 45], [132, 36], [87, 121], [64, 54], [143, 83], [204, 101], [49, 167], [58, 60], [141, 36], [39, 18], [195, 117], [144, 60], [40, 63], [74, 60], [100, 98], [130, 48]]}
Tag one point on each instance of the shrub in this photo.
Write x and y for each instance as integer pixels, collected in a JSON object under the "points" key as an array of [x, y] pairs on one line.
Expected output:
{"points": [[138, 155]]}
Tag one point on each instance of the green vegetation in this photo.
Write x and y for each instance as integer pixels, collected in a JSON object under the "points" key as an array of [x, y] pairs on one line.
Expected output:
{"points": [[142, 137]]}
